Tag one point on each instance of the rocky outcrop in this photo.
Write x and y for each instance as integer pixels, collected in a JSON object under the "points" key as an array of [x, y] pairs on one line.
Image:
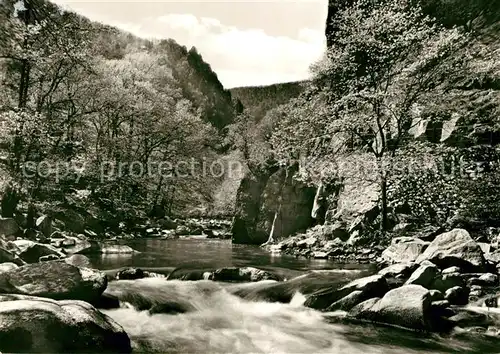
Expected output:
{"points": [[235, 274], [274, 201], [368, 287], [36, 325], [408, 306], [31, 252], [404, 249], [424, 275], [455, 248], [248, 201], [56, 280], [228, 274]]}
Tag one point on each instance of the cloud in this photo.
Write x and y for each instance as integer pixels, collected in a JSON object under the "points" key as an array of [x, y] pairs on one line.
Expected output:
{"points": [[240, 56]]}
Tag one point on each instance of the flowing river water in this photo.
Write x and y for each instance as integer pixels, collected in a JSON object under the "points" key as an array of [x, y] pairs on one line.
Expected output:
{"points": [[217, 321]]}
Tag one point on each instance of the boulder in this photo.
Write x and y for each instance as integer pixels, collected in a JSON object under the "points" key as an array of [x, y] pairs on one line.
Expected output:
{"points": [[307, 243], [457, 295], [436, 295], [455, 248], [348, 301], [398, 270], [7, 267], [8, 227], [167, 224], [447, 281], [485, 247], [404, 249], [493, 257], [408, 306], [72, 220], [79, 260], [130, 274], [242, 274], [424, 276], [82, 246], [182, 230], [31, 252], [36, 325], [489, 279], [56, 280], [320, 255], [372, 286], [469, 318], [33, 235]]}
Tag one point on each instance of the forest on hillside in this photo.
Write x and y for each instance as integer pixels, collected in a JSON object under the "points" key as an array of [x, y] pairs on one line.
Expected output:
{"points": [[406, 99], [91, 115], [94, 119]]}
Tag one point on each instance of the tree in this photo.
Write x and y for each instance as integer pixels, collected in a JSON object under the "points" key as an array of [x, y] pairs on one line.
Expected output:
{"points": [[386, 58]]}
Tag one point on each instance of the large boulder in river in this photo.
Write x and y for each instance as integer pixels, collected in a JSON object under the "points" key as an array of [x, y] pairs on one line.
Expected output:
{"points": [[56, 280], [403, 270], [31, 252], [408, 306], [424, 275], [455, 248], [234, 274], [404, 249], [36, 325], [372, 286], [80, 245]]}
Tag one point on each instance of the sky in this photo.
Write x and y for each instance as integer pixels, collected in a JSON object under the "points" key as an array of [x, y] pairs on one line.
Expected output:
{"points": [[247, 43]]}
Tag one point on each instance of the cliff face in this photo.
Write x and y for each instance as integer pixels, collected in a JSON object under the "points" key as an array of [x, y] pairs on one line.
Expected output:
{"points": [[271, 205], [353, 206]]}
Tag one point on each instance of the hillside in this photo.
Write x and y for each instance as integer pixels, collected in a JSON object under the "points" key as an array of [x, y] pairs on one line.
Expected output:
{"points": [[82, 98], [392, 136], [258, 100]]}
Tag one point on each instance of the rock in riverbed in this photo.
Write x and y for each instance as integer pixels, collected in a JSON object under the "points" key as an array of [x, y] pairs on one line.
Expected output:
{"points": [[369, 287], [404, 249], [56, 280], [408, 306], [31, 324], [455, 248]]}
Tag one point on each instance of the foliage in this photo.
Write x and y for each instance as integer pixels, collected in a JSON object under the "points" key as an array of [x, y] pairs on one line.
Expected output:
{"points": [[103, 112]]}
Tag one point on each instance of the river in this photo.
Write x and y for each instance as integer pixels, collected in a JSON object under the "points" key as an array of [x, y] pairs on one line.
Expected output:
{"points": [[216, 321]]}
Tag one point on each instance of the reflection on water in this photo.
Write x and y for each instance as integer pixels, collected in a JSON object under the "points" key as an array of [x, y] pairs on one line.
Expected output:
{"points": [[195, 252]]}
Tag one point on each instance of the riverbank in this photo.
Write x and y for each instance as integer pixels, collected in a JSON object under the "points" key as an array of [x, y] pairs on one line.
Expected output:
{"points": [[444, 287]]}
